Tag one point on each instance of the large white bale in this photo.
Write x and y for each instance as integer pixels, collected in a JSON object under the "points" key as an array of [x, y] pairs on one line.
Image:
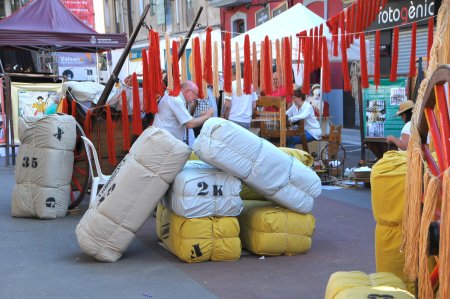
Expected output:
{"points": [[131, 194], [44, 167], [201, 190], [48, 131], [31, 200], [260, 164]]}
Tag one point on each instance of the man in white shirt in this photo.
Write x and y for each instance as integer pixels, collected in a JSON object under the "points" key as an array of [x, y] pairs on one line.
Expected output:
{"points": [[239, 108], [173, 114], [302, 109]]}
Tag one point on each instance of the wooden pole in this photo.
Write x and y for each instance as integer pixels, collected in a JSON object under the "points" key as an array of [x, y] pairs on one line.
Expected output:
{"points": [[114, 76]]}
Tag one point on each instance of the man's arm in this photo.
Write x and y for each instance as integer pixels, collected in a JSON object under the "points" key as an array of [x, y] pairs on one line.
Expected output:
{"points": [[227, 108], [198, 121]]}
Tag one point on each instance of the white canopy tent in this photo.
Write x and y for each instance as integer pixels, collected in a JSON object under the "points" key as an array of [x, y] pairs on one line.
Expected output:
{"points": [[288, 24]]}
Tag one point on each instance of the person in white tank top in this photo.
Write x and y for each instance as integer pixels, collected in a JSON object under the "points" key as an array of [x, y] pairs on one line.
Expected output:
{"points": [[405, 111]]}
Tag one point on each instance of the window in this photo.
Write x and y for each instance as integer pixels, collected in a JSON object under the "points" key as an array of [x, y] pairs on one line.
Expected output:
{"points": [[189, 12], [152, 7], [141, 7], [238, 23]]}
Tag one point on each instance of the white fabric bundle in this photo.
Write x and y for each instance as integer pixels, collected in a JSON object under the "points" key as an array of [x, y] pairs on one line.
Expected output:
{"points": [[201, 190], [132, 193], [262, 166], [44, 166]]}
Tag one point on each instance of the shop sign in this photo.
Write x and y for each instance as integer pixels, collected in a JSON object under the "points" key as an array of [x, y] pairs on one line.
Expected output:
{"points": [[405, 12]]}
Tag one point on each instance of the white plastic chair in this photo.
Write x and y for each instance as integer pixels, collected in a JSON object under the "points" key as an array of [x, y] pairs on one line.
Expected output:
{"points": [[101, 179]]}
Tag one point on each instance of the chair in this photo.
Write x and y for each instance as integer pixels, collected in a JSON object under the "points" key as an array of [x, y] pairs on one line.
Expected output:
{"points": [[100, 179], [271, 122]]}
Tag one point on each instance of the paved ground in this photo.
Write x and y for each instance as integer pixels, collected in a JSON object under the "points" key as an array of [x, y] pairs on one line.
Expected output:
{"points": [[41, 258]]}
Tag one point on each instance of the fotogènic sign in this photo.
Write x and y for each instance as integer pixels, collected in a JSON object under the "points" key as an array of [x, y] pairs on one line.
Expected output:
{"points": [[404, 12]]}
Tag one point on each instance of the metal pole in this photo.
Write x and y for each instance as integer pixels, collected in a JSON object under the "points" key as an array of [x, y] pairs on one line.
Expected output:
{"points": [[114, 76], [183, 46]]}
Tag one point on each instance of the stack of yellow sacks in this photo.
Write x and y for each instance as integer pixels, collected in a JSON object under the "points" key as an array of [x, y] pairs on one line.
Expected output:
{"points": [[269, 229], [388, 192], [356, 285], [195, 240]]}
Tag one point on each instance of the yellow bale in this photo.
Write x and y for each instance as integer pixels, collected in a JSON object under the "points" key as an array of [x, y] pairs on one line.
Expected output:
{"points": [[356, 285], [267, 229], [388, 188], [199, 239]]}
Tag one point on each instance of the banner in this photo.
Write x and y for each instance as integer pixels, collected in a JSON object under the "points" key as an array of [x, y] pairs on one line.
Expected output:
{"points": [[77, 66], [83, 9]]}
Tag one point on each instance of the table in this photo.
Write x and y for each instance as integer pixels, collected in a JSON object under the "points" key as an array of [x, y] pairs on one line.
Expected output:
{"points": [[378, 145]]}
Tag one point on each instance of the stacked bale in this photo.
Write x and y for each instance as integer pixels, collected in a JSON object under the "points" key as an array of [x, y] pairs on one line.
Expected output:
{"points": [[356, 285], [202, 203], [131, 194], [388, 194], [259, 164], [44, 166], [197, 240], [268, 229]]}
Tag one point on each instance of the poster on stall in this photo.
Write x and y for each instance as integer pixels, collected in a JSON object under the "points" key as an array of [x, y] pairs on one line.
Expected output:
{"points": [[31, 99], [83, 9], [380, 105], [77, 66]]}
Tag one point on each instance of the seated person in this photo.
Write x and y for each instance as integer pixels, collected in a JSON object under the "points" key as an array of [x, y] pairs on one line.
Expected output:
{"points": [[302, 109], [405, 112], [320, 106]]}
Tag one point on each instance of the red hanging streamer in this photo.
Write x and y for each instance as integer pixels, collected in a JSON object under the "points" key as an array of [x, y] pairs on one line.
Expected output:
{"points": [[110, 137], [156, 84], [347, 86], [326, 83], [145, 80], [394, 62], [430, 38], [301, 41], [247, 66], [74, 108], [288, 66], [347, 22], [64, 106], [312, 53], [359, 17], [87, 125], [207, 65], [175, 70], [362, 53], [125, 123], [267, 67], [316, 48], [137, 122], [306, 70], [335, 35], [412, 61], [227, 64], [376, 72], [351, 29], [198, 67], [319, 55]]}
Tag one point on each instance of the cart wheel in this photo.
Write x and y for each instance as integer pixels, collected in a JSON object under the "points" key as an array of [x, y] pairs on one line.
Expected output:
{"points": [[438, 124], [80, 174], [333, 157]]}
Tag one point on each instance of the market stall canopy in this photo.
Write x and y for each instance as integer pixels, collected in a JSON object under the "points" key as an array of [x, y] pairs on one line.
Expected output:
{"points": [[287, 24], [49, 24]]}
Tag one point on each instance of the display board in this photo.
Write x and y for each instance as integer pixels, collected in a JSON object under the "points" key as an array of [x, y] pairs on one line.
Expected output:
{"points": [[31, 99], [380, 105]]}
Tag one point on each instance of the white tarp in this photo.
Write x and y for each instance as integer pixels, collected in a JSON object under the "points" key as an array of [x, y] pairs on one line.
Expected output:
{"points": [[258, 163], [201, 190], [288, 24]]}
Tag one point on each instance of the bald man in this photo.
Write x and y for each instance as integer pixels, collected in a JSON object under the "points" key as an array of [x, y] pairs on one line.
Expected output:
{"points": [[173, 114]]}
